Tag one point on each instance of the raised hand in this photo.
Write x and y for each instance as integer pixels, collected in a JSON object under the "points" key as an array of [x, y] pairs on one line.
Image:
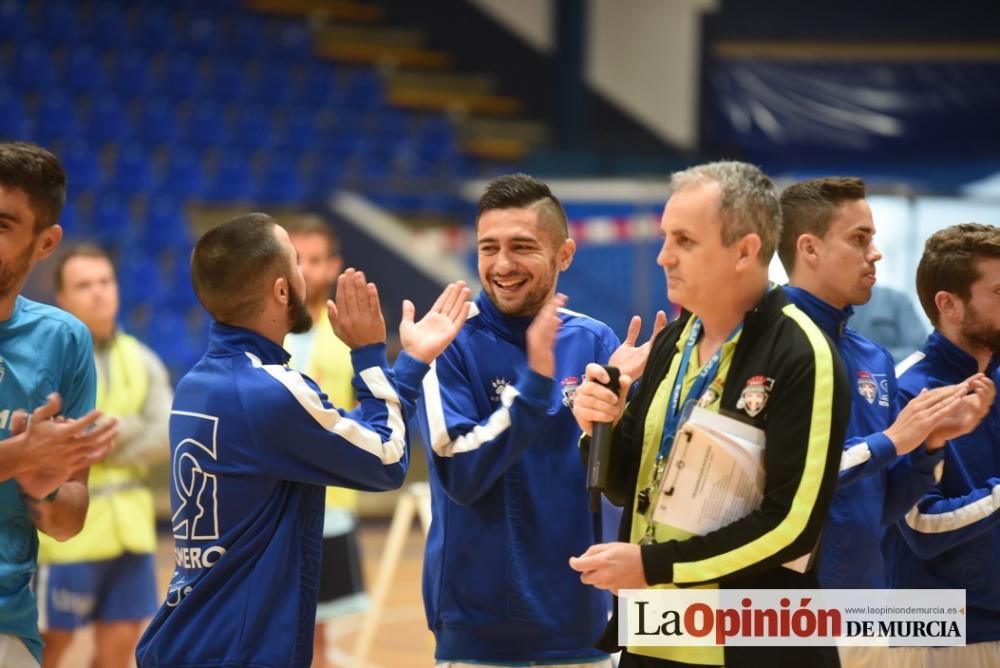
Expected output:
{"points": [[593, 402], [55, 449], [541, 337], [631, 359], [356, 316], [427, 338]]}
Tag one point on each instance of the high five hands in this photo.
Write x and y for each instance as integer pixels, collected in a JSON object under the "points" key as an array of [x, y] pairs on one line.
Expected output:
{"points": [[356, 317]]}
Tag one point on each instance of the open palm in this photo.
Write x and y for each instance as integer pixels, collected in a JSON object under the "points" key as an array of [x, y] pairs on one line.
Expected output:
{"points": [[630, 358], [427, 338]]}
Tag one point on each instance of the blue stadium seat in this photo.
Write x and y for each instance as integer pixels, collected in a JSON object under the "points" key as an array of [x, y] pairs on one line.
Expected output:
{"points": [[184, 173], [225, 81], [297, 130], [202, 33], [325, 177], [83, 71], [279, 181], [157, 122], [252, 128], [270, 83], [155, 30], [166, 226], [132, 72], [31, 67], [313, 85], [14, 123], [179, 77], [68, 220], [245, 36], [108, 121], [364, 91], [58, 22], [107, 25], [83, 168], [138, 277], [233, 179], [111, 218], [205, 124], [13, 21], [290, 41], [56, 115], [133, 169]]}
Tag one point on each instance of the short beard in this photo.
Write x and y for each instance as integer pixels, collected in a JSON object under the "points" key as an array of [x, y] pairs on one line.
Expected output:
{"points": [[978, 333], [12, 275], [299, 320]]}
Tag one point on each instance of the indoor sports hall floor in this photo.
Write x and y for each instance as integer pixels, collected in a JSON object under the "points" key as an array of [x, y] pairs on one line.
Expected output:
{"points": [[402, 639]]}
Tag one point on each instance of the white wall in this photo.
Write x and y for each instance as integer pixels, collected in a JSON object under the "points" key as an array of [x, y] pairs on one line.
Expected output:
{"points": [[531, 20], [643, 55]]}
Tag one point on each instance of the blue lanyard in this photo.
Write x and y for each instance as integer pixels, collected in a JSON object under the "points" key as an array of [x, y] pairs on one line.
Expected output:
{"points": [[705, 377]]}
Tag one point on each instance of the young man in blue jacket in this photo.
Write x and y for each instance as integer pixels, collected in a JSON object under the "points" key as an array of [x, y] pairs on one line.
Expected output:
{"points": [[951, 537], [828, 249], [509, 495], [254, 442]]}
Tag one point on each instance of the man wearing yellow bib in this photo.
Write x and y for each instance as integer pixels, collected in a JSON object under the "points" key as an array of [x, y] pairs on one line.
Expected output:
{"points": [[326, 359], [739, 348], [106, 574]]}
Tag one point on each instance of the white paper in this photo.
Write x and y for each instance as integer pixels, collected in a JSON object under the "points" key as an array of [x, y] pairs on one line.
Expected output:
{"points": [[714, 476]]}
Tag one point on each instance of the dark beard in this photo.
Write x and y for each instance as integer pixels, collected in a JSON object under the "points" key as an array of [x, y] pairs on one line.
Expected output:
{"points": [[977, 333], [12, 275], [299, 320]]}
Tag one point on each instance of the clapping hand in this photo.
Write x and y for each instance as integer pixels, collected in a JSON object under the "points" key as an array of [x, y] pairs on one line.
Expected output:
{"points": [[356, 316], [427, 338]]}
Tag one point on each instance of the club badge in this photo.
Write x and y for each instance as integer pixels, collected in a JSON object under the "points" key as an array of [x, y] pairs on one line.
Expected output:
{"points": [[753, 398], [709, 397], [499, 385], [569, 385], [867, 387]]}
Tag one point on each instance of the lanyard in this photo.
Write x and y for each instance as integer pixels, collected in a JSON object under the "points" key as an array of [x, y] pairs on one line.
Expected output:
{"points": [[705, 377]]}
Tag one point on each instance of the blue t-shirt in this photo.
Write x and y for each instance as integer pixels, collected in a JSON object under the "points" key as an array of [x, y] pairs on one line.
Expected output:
{"points": [[42, 350]]}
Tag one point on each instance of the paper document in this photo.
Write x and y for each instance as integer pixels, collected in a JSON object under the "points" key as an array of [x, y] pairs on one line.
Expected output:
{"points": [[714, 476]]}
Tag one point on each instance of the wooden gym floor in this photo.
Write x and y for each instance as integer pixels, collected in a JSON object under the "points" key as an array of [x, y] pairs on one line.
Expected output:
{"points": [[402, 639]]}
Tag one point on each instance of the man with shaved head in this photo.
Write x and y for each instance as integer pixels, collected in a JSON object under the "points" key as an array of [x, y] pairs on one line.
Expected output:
{"points": [[253, 442]]}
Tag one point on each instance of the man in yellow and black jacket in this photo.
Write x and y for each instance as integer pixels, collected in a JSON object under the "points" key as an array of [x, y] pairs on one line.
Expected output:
{"points": [[738, 348]]}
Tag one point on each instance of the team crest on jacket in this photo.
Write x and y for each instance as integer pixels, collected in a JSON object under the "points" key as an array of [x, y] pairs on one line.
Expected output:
{"points": [[569, 385], [753, 398], [867, 387], [499, 385], [709, 397]]}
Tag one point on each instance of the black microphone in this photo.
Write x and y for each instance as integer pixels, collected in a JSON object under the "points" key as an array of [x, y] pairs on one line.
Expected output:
{"points": [[600, 449]]}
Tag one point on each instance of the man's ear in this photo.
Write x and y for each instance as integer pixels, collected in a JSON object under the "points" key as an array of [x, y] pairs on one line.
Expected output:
{"points": [[566, 253], [749, 250], [279, 289], [807, 249], [950, 307], [48, 241]]}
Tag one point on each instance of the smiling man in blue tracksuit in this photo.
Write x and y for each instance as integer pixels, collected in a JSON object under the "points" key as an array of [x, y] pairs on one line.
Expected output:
{"points": [[951, 538], [510, 503], [828, 250], [254, 442]]}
